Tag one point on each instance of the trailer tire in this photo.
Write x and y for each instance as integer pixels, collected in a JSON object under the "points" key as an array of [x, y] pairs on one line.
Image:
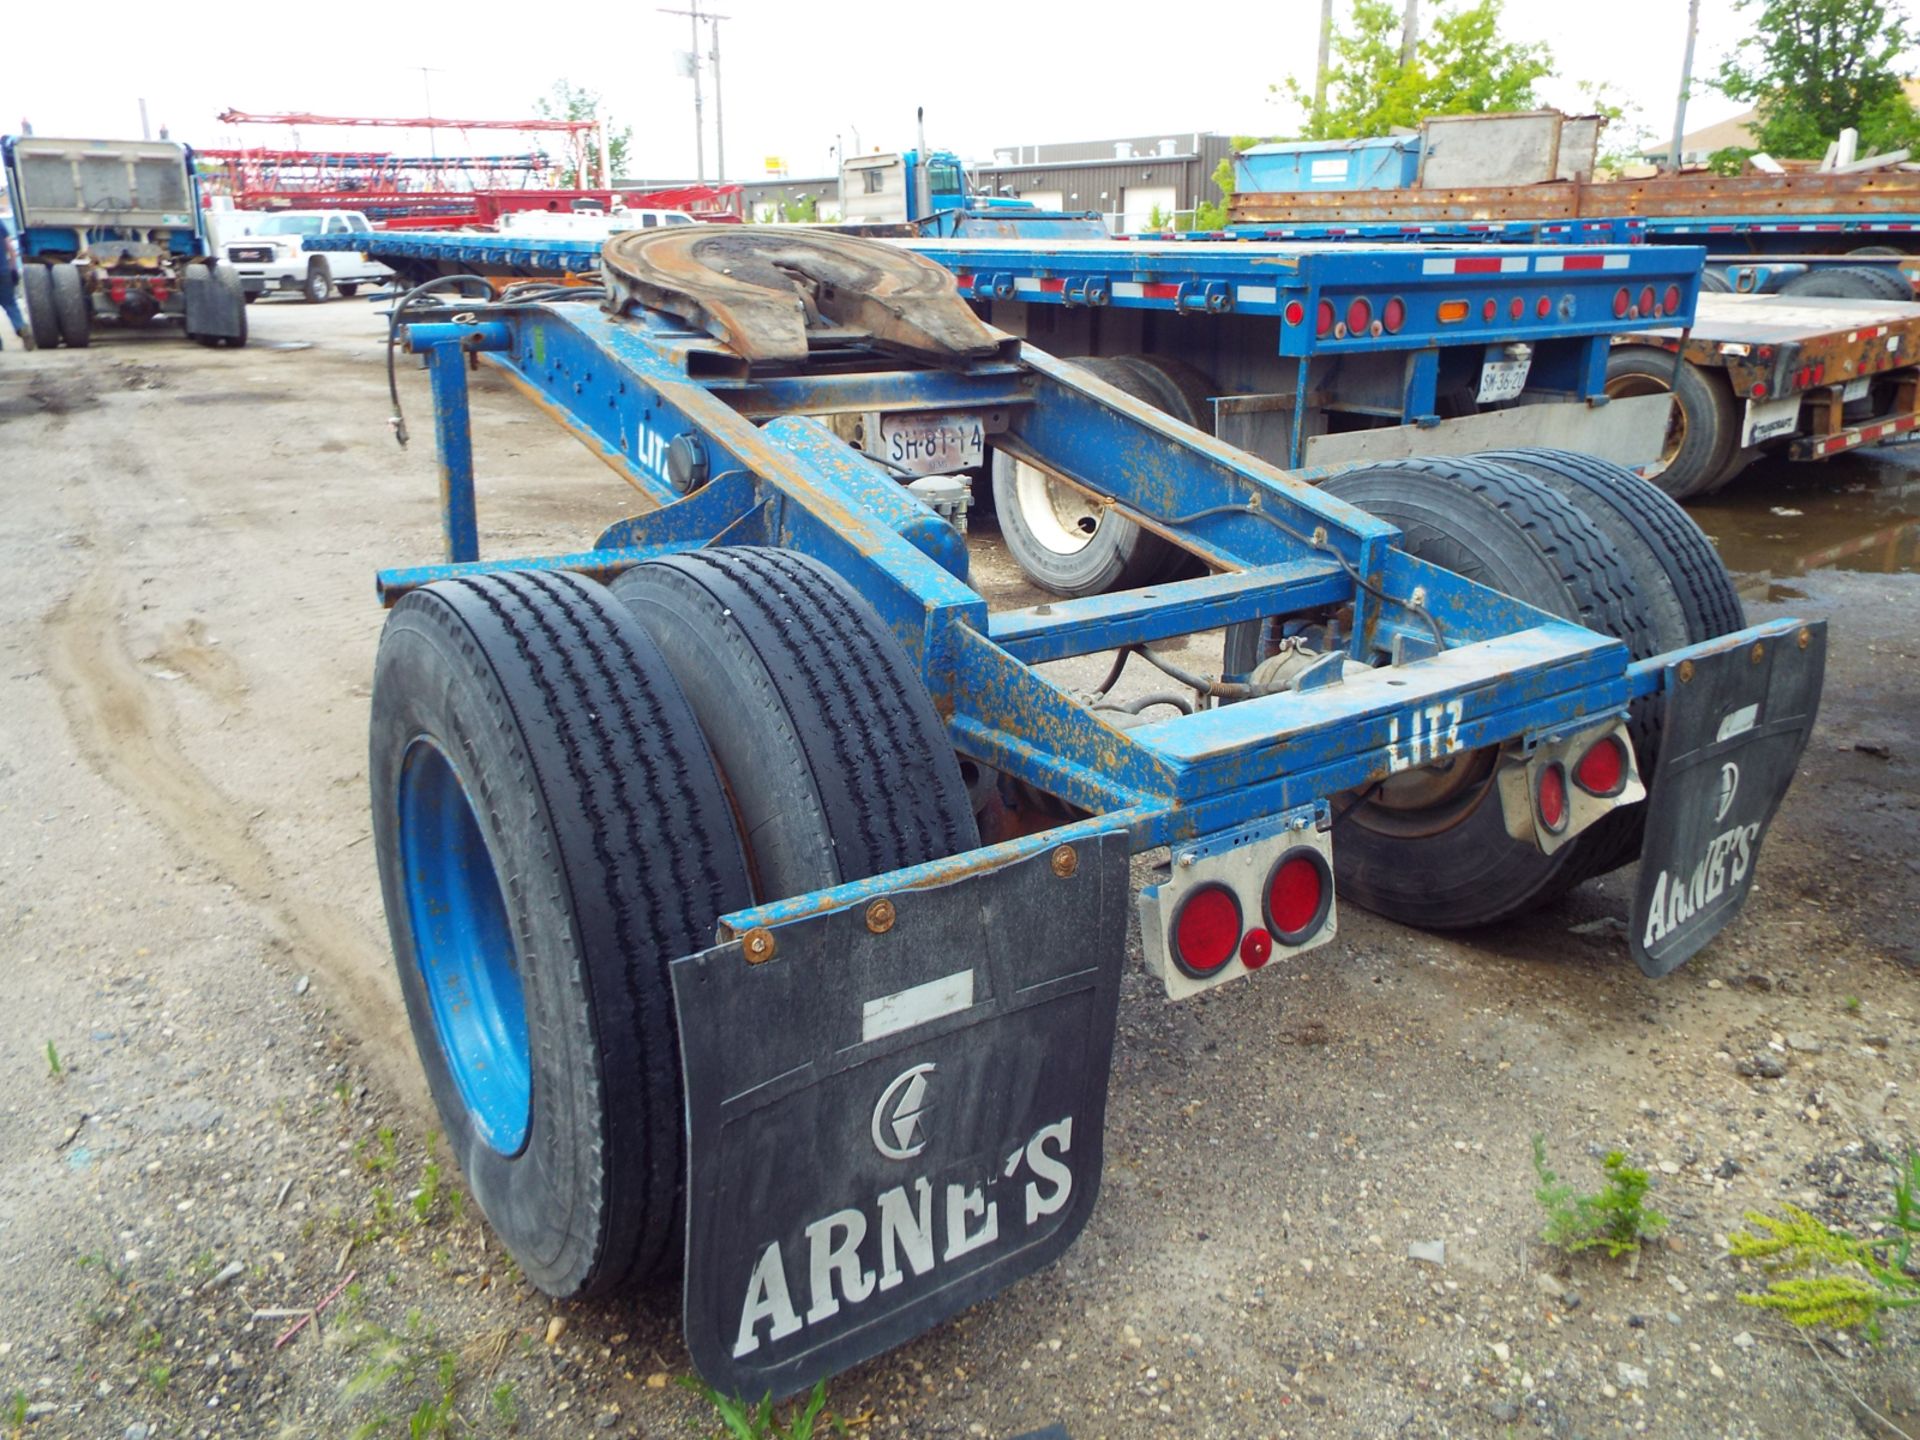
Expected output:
{"points": [[1878, 250], [1686, 594], [836, 762], [1705, 427], [1430, 847], [550, 832], [71, 310], [36, 282], [1851, 282], [318, 287], [349, 288], [1063, 542], [1715, 282]]}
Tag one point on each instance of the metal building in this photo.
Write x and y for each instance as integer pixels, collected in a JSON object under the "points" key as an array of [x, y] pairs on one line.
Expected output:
{"points": [[1126, 179]]}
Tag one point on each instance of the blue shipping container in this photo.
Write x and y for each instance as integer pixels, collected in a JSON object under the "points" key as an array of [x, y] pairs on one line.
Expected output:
{"points": [[1387, 162]]}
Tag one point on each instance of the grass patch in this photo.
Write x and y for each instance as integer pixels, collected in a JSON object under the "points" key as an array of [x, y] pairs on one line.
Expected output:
{"points": [[1615, 1219], [742, 1420]]}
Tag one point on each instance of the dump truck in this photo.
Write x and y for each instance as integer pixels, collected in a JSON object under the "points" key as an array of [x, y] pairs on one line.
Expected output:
{"points": [[760, 761], [112, 232]]}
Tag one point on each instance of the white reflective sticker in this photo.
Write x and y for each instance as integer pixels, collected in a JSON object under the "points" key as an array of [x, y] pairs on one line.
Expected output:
{"points": [[904, 1009], [1738, 722]]}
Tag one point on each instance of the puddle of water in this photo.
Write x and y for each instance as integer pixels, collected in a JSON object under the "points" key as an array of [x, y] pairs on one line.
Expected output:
{"points": [[1859, 512]]}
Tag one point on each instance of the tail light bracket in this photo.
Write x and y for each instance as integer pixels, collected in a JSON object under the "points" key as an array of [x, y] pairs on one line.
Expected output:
{"points": [[1241, 859], [1519, 780]]}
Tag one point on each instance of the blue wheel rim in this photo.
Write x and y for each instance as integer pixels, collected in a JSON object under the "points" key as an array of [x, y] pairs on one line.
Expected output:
{"points": [[464, 948]]}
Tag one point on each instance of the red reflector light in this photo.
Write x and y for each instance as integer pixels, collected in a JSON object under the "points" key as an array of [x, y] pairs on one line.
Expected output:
{"points": [[1323, 318], [1544, 307], [1646, 301], [1299, 893], [1393, 315], [1673, 300], [1295, 312], [1256, 949], [1359, 315], [1488, 310], [1759, 390], [1603, 769], [1622, 302], [1206, 930], [1552, 798], [1516, 307]]}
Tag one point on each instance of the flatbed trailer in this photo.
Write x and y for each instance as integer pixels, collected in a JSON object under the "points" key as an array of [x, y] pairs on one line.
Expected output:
{"points": [[760, 904], [1754, 214]]}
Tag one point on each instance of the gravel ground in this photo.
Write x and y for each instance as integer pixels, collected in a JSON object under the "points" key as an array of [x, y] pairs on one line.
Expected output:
{"points": [[214, 1121]]}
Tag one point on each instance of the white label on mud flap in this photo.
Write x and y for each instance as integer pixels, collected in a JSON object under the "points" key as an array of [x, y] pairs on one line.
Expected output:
{"points": [[904, 1009], [1770, 419], [1738, 722]]}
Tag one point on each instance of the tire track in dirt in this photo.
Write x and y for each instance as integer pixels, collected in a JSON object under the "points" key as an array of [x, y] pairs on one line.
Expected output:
{"points": [[124, 734]]}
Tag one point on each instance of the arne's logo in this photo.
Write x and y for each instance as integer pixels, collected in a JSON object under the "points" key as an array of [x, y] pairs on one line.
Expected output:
{"points": [[1729, 787], [899, 1119]]}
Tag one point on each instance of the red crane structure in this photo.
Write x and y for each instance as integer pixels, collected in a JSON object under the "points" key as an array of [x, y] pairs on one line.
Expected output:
{"points": [[436, 191]]}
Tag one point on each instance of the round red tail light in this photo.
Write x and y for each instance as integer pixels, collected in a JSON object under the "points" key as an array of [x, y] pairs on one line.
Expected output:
{"points": [[1323, 318], [1603, 769], [1672, 302], [1295, 312], [1206, 930], [1359, 315], [1393, 315], [1299, 894], [1622, 302], [1543, 307], [1256, 948], [1646, 301], [1551, 799], [1489, 310], [1516, 307]]}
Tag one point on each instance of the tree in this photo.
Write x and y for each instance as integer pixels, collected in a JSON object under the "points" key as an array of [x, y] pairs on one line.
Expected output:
{"points": [[1460, 67], [1814, 67], [567, 101]]}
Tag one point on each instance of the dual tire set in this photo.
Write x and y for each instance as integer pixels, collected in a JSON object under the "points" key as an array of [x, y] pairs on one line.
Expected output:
{"points": [[571, 784], [59, 311]]}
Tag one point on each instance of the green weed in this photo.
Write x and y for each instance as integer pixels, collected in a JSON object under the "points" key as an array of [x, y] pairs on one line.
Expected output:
{"points": [[506, 1409], [1852, 1002], [1856, 1281], [159, 1377], [17, 1409], [746, 1421], [54, 1067], [1616, 1218]]}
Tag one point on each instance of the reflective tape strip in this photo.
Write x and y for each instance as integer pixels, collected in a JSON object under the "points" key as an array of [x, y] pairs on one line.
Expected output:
{"points": [[1257, 294]]}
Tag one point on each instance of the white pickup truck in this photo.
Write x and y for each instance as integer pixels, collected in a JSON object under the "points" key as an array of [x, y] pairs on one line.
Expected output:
{"points": [[268, 256]]}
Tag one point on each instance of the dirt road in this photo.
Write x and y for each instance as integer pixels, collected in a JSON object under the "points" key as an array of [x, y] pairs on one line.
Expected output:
{"points": [[213, 1119]]}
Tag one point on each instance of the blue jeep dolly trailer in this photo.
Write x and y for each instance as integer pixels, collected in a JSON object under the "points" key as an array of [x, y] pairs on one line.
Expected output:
{"points": [[111, 231], [760, 902], [1398, 350]]}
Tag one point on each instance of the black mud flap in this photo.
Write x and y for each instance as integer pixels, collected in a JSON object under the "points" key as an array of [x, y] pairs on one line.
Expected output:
{"points": [[1736, 722], [216, 305], [896, 1115]]}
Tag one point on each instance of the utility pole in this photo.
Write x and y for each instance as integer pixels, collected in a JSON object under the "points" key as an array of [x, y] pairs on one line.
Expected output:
{"points": [[694, 17], [1410, 34], [1320, 71], [426, 89], [719, 121], [1686, 83]]}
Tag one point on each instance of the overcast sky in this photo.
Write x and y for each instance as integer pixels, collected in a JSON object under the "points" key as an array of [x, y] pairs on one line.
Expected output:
{"points": [[797, 77]]}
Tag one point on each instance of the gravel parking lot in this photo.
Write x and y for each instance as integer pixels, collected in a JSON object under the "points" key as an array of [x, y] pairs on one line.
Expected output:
{"points": [[214, 1121]]}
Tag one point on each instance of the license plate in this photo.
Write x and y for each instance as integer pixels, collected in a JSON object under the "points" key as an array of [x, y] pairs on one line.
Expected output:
{"points": [[1733, 731], [933, 444], [1770, 419], [916, 1123], [1503, 379], [1854, 390]]}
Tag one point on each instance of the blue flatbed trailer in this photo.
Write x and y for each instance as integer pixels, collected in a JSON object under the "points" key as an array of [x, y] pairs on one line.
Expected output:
{"points": [[591, 771]]}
